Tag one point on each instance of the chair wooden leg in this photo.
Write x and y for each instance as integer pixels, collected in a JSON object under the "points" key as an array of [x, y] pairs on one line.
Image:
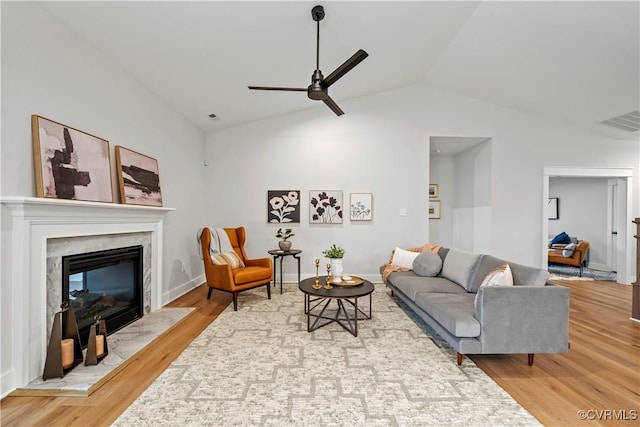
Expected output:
{"points": [[235, 301], [209, 293], [269, 290], [459, 356], [530, 359]]}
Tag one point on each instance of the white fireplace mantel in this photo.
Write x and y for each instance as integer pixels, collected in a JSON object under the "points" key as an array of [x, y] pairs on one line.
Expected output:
{"points": [[32, 221]]}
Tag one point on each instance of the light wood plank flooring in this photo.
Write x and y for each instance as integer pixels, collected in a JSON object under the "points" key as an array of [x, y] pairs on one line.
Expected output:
{"points": [[600, 373]]}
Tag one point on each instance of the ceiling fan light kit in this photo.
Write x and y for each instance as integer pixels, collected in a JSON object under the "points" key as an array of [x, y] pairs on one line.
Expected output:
{"points": [[318, 90]]}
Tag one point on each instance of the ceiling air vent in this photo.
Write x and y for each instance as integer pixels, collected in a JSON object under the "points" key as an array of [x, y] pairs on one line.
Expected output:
{"points": [[629, 122]]}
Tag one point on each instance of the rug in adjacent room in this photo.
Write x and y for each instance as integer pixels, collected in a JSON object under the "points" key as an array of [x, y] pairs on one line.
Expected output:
{"points": [[260, 366]]}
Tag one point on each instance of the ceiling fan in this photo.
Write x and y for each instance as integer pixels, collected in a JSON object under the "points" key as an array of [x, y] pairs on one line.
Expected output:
{"points": [[318, 90]]}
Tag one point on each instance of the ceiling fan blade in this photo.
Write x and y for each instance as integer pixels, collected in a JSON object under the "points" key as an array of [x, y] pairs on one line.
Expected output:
{"points": [[291, 89], [334, 107], [357, 58]]}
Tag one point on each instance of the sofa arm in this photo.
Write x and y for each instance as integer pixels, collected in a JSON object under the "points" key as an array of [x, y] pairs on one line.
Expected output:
{"points": [[523, 319]]}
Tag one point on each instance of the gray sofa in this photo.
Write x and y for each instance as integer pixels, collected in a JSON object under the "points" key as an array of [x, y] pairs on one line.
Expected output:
{"points": [[530, 317]]}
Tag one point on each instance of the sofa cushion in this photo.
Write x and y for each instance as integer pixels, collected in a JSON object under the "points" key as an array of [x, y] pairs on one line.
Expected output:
{"points": [[522, 274], [427, 264], [454, 312], [404, 258], [460, 267], [410, 284]]}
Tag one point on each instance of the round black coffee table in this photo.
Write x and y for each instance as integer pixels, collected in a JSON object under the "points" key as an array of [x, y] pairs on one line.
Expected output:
{"points": [[316, 302]]}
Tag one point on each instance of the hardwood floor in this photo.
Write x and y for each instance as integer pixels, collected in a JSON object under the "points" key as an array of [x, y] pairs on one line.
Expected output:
{"points": [[599, 374]]}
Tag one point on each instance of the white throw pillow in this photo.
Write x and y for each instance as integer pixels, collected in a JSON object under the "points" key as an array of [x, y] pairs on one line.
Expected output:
{"points": [[499, 276], [568, 250], [403, 258]]}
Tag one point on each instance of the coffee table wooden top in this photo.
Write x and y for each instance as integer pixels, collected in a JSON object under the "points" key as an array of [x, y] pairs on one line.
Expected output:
{"points": [[337, 291]]}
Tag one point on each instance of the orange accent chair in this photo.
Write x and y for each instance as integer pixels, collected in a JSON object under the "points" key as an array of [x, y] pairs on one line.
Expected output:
{"points": [[257, 272], [576, 260]]}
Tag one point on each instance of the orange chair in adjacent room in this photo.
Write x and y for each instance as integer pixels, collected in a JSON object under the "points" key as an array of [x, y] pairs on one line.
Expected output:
{"points": [[251, 273]]}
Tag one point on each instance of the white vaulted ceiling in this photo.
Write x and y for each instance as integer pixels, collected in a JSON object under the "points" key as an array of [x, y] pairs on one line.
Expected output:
{"points": [[572, 62]]}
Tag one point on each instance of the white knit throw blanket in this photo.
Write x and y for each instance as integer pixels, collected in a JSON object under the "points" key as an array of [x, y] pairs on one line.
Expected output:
{"points": [[219, 242]]}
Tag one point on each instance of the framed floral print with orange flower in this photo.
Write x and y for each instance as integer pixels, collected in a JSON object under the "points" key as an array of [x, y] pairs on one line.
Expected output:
{"points": [[283, 206]]}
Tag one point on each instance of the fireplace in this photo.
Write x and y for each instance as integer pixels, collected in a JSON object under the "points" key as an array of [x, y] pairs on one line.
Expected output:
{"points": [[105, 284]]}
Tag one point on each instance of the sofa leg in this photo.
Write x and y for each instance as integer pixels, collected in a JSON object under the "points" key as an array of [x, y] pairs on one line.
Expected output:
{"points": [[209, 293], [459, 356], [530, 359], [235, 301]]}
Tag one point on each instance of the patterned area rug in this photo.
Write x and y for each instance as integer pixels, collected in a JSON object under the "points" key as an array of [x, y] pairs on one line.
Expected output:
{"points": [[260, 366], [588, 273]]}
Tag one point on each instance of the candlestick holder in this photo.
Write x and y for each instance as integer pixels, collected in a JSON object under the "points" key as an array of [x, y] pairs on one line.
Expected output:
{"points": [[317, 285], [327, 284]]}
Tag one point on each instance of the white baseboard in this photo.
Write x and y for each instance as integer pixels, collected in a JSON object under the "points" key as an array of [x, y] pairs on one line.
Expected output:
{"points": [[175, 293], [7, 380]]}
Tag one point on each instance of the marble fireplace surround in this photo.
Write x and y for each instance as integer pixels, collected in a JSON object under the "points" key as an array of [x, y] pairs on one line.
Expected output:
{"points": [[37, 223]]}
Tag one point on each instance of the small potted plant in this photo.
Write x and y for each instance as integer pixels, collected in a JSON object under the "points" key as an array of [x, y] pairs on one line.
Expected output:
{"points": [[335, 254], [284, 236]]}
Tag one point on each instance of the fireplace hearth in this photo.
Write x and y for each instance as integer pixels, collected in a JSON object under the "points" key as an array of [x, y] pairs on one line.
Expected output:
{"points": [[104, 284]]}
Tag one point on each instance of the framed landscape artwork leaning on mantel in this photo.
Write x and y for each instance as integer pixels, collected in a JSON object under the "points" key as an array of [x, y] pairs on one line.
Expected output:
{"points": [[138, 178], [70, 164]]}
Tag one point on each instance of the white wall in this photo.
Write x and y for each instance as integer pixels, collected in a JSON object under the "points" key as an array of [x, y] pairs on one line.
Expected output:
{"points": [[381, 143], [47, 70], [583, 213], [315, 150], [472, 205]]}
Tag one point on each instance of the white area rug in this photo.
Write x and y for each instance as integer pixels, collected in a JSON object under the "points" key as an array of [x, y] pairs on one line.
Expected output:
{"points": [[260, 366]]}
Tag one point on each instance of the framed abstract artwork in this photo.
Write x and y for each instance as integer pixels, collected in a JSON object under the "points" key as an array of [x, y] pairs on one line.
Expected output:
{"points": [[69, 163], [325, 207], [283, 206], [361, 207], [138, 178], [433, 191], [553, 207], [434, 209]]}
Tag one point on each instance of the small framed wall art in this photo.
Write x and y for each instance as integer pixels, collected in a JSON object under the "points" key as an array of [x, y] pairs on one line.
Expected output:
{"points": [[433, 191], [325, 207], [553, 207], [138, 178], [434, 209], [69, 163], [283, 206], [361, 207]]}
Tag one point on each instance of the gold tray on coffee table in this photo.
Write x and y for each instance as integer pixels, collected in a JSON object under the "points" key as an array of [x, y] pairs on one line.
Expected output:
{"points": [[347, 281]]}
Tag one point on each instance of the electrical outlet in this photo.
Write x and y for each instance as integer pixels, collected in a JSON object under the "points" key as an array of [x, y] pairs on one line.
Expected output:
{"points": [[403, 212], [184, 267]]}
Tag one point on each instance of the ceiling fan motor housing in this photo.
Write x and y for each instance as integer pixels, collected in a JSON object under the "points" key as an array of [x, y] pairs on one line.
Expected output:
{"points": [[316, 90]]}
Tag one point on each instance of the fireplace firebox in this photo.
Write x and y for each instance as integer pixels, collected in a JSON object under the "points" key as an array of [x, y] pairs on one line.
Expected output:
{"points": [[105, 284]]}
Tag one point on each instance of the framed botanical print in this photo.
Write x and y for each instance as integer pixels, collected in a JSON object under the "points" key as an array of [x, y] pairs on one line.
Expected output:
{"points": [[325, 207], [361, 207], [283, 206]]}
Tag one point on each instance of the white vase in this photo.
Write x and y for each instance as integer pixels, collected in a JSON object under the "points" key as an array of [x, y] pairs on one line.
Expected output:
{"points": [[336, 267]]}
